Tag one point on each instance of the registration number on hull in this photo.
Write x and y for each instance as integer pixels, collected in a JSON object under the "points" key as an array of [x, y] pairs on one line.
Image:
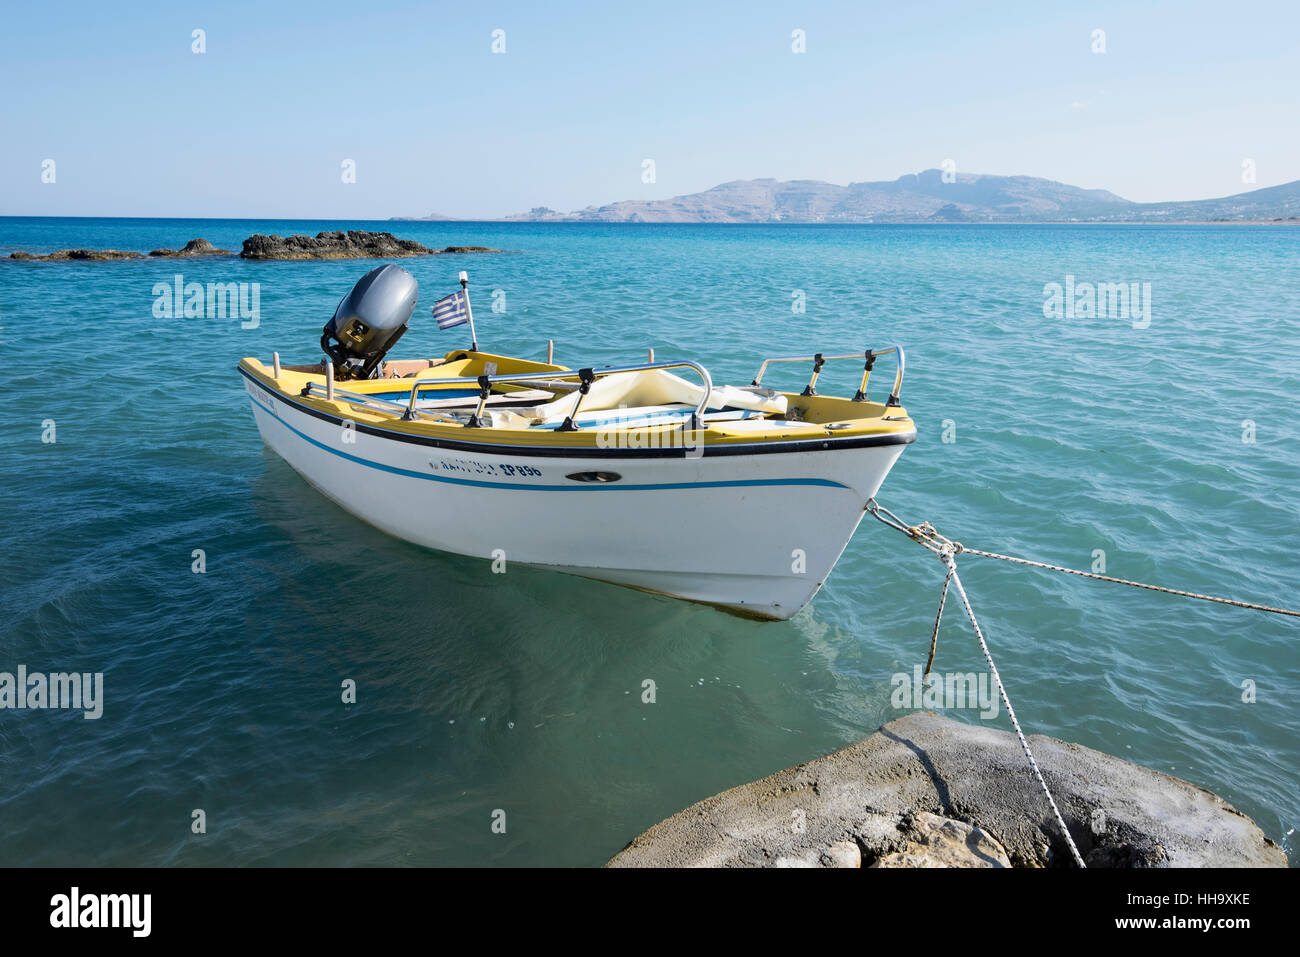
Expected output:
{"points": [[477, 467]]}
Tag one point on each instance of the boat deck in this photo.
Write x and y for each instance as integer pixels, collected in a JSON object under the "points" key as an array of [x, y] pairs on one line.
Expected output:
{"points": [[481, 396]]}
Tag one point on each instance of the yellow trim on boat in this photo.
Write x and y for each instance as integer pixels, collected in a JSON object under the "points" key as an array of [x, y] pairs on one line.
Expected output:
{"points": [[815, 417]]}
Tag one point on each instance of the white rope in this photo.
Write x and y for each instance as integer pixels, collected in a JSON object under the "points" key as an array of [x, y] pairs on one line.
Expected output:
{"points": [[946, 550], [927, 535], [945, 556]]}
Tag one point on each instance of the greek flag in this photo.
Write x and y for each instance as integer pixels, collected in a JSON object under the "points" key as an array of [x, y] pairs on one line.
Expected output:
{"points": [[453, 310]]}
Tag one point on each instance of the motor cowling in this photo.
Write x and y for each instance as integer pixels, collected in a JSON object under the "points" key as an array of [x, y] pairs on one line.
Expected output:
{"points": [[369, 320]]}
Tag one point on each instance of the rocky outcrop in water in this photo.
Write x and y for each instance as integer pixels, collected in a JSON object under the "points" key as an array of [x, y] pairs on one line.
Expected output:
{"points": [[353, 244], [70, 255], [195, 247], [925, 791]]}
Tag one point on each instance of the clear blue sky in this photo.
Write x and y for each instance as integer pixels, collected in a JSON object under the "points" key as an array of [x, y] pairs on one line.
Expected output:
{"points": [[258, 126]]}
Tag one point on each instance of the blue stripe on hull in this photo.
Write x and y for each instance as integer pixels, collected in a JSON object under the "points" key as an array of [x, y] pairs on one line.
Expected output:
{"points": [[576, 487]]}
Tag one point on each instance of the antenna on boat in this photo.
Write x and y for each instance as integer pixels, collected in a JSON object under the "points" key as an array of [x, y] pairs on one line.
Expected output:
{"points": [[464, 286]]}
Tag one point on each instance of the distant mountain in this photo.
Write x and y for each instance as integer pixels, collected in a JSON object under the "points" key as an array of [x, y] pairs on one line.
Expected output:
{"points": [[1271, 203], [925, 197], [913, 198], [432, 217]]}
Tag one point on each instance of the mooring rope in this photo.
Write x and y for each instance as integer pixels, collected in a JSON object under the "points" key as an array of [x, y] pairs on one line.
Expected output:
{"points": [[927, 535], [947, 550], [946, 556], [1124, 581], [934, 638]]}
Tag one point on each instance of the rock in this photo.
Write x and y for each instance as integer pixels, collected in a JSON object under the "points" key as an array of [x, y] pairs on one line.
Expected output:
{"points": [[1097, 822], [68, 255], [195, 247], [922, 785], [943, 842], [354, 244], [843, 854]]}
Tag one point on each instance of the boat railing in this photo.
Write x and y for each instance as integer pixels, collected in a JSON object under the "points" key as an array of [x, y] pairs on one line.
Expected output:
{"points": [[318, 390], [868, 358], [557, 381]]}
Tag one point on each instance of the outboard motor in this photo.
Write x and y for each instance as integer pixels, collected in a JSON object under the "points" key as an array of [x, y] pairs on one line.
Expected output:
{"points": [[369, 320]]}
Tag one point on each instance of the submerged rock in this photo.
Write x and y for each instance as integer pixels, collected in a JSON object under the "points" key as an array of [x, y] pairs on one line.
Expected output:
{"points": [[926, 791], [353, 244]]}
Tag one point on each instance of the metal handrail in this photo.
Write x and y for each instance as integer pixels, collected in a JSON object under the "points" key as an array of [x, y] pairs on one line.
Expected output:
{"points": [[317, 390], [585, 377], [869, 356]]}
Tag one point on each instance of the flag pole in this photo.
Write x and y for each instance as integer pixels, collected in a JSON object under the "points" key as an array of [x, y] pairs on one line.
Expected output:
{"points": [[473, 336]]}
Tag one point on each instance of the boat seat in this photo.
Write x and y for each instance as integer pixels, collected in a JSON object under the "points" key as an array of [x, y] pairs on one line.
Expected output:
{"points": [[657, 387], [629, 400], [643, 416], [618, 419]]}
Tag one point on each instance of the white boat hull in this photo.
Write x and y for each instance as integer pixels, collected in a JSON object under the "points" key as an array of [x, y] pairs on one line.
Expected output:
{"points": [[755, 532]]}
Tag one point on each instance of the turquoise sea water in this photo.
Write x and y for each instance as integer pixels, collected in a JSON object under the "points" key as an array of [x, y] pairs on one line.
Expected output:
{"points": [[479, 692]]}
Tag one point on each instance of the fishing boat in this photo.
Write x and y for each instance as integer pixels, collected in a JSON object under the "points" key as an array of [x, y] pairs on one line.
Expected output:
{"points": [[741, 497]]}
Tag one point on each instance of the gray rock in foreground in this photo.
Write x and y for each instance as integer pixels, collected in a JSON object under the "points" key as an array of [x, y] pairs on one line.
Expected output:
{"points": [[925, 791]]}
